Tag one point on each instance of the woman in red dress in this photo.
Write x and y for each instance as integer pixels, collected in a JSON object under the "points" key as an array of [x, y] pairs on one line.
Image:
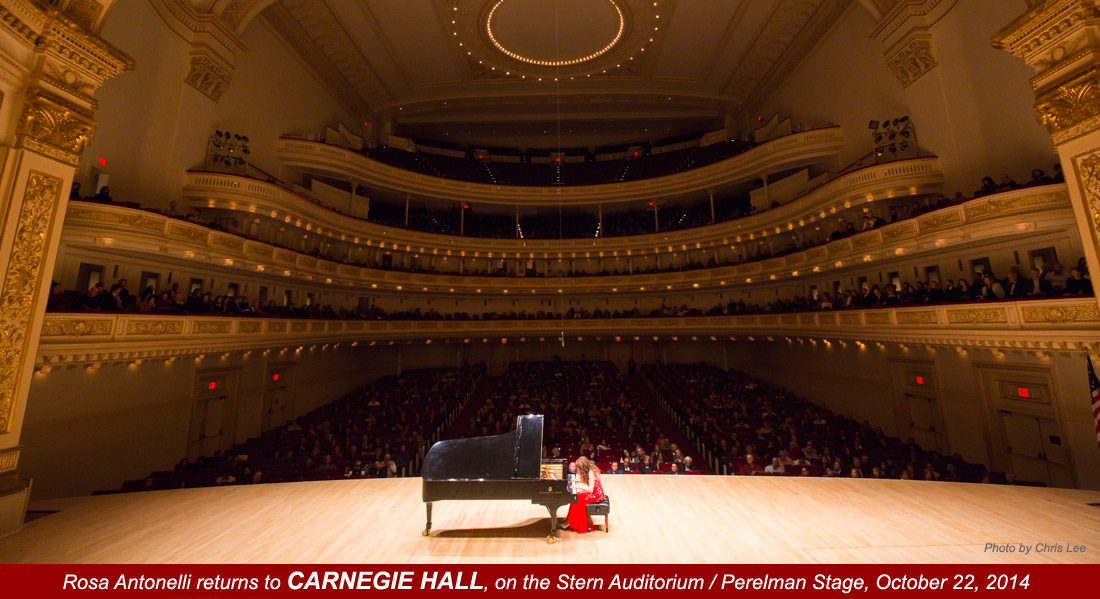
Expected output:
{"points": [[589, 490]]}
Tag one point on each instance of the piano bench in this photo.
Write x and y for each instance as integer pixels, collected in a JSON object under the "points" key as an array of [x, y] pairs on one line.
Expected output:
{"points": [[600, 508]]}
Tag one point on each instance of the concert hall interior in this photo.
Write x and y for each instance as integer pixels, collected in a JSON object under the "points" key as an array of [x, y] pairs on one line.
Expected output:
{"points": [[259, 255]]}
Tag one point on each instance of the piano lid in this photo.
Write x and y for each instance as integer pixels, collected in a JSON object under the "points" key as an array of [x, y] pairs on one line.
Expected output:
{"points": [[513, 455]]}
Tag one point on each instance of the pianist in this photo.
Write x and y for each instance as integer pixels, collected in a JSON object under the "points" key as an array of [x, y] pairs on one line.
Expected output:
{"points": [[588, 489]]}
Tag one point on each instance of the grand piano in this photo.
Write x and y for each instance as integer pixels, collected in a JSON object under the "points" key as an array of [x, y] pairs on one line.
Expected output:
{"points": [[508, 466]]}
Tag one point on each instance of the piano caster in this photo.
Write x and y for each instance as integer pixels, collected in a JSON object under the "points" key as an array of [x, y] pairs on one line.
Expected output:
{"points": [[550, 540], [425, 532]]}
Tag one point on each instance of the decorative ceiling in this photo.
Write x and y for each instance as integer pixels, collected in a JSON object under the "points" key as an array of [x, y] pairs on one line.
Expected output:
{"points": [[552, 73]]}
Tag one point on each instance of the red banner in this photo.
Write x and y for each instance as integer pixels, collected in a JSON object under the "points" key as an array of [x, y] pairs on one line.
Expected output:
{"points": [[657, 580]]}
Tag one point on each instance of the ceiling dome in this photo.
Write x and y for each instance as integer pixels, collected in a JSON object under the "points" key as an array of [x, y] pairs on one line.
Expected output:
{"points": [[555, 33]]}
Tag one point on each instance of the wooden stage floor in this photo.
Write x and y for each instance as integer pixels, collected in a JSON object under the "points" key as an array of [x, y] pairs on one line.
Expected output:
{"points": [[655, 519]]}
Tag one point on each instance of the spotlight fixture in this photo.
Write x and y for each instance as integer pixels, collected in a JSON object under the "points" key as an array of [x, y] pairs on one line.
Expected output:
{"points": [[893, 136]]}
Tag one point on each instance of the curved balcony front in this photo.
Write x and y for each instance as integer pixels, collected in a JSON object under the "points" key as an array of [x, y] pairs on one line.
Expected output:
{"points": [[259, 199], [785, 153], [1044, 326], [1002, 216]]}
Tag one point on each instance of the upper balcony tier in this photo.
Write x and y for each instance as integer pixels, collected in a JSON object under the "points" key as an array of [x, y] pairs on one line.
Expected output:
{"points": [[785, 153], [257, 199], [1001, 216]]}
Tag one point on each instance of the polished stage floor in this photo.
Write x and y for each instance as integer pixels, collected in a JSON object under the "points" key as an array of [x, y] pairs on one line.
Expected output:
{"points": [[654, 519]]}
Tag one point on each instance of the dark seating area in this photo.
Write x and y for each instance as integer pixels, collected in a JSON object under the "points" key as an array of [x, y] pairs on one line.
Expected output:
{"points": [[589, 410], [461, 169], [752, 428], [589, 172], [648, 166], [379, 431]]}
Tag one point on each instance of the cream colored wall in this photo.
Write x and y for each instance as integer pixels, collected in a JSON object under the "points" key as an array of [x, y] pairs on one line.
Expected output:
{"points": [[88, 430], [989, 127], [153, 126], [844, 81], [974, 110]]}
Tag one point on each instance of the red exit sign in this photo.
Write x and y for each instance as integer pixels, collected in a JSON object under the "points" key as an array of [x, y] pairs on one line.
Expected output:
{"points": [[920, 380], [1022, 391]]}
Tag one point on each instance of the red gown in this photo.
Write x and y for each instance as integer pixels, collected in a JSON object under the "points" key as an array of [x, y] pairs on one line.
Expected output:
{"points": [[578, 515]]}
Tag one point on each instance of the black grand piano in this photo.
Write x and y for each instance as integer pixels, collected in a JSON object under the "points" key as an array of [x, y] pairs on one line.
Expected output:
{"points": [[508, 466]]}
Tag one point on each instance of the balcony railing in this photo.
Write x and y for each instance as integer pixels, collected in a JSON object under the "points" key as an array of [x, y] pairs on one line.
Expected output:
{"points": [[206, 190], [1002, 215], [1044, 325], [792, 151]]}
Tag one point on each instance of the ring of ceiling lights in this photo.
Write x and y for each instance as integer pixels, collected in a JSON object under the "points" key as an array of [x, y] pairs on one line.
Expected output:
{"points": [[554, 63]]}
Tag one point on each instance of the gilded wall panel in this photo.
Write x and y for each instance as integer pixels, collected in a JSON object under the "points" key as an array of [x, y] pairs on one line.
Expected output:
{"points": [[22, 280]]}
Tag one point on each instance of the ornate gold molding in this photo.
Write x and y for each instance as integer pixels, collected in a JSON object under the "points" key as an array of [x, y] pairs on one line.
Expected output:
{"points": [[137, 220], [1088, 172], [1060, 40], [192, 232], [977, 316], [54, 127], [940, 219], [1061, 314], [21, 282], [202, 327], [1001, 205], [922, 317], [154, 327], [1072, 108], [75, 327]]}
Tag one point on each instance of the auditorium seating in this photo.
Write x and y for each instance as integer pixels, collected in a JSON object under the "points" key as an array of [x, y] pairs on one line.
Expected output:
{"points": [[734, 416], [379, 431]]}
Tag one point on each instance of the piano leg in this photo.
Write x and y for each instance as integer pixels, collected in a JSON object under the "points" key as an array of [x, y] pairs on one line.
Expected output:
{"points": [[553, 538], [428, 527]]}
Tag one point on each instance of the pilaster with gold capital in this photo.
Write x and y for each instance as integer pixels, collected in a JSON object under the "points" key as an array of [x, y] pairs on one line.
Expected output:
{"points": [[1060, 39], [50, 67]]}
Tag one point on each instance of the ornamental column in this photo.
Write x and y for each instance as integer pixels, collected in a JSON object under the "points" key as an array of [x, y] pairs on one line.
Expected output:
{"points": [[1060, 39], [53, 63]]}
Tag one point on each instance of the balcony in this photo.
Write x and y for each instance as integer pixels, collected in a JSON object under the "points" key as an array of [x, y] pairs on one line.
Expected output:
{"points": [[256, 198], [792, 151], [1001, 216], [1043, 326]]}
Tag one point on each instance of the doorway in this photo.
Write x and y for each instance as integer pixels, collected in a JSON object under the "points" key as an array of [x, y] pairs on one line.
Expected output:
{"points": [[212, 416]]}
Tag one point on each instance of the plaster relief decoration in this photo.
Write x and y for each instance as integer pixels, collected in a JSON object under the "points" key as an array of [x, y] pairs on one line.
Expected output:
{"points": [[193, 233], [922, 317], [129, 219], [208, 74], [75, 327], [1059, 39], [202, 327], [877, 317], [157, 326], [1061, 314], [905, 31], [939, 220], [21, 281], [214, 45], [977, 316], [1088, 169], [997, 206], [911, 61], [85, 13], [55, 128]]}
